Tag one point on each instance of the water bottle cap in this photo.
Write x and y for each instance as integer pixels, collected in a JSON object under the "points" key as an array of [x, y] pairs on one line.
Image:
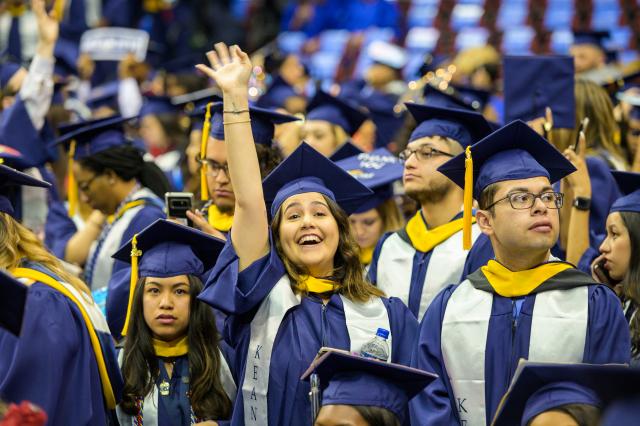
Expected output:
{"points": [[383, 333]]}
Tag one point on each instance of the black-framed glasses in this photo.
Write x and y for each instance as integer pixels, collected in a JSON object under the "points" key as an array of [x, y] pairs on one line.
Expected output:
{"points": [[84, 186], [526, 200], [422, 153], [214, 168]]}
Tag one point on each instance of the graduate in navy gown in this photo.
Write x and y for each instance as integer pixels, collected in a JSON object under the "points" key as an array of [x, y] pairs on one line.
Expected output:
{"points": [[525, 303], [354, 390], [297, 285], [416, 262], [377, 170], [616, 263], [63, 358], [175, 372], [124, 192]]}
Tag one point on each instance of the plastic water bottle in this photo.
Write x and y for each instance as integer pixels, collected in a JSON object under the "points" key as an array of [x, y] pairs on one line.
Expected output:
{"points": [[377, 348]]}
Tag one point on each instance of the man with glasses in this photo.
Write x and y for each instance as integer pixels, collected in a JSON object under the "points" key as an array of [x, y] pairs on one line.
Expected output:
{"points": [[525, 303], [216, 215], [415, 263]]}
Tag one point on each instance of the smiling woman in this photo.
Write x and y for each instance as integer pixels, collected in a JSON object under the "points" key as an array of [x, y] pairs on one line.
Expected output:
{"points": [[295, 285]]}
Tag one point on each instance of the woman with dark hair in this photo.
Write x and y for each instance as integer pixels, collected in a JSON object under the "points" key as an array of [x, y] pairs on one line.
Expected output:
{"points": [[293, 284], [173, 368], [619, 262], [122, 189]]}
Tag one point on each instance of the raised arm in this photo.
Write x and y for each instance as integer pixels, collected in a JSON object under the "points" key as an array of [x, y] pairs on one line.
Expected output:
{"points": [[231, 69]]}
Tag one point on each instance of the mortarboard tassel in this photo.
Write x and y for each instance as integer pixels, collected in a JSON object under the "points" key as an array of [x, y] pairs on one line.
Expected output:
{"points": [[59, 6], [72, 187], [468, 200], [135, 254], [206, 128]]}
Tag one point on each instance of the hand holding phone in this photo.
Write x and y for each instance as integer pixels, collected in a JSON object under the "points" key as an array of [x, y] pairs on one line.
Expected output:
{"points": [[177, 204], [582, 129]]}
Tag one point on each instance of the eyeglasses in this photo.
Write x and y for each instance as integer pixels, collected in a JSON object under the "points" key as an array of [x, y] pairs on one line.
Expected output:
{"points": [[214, 168], [526, 200], [84, 186], [422, 153]]}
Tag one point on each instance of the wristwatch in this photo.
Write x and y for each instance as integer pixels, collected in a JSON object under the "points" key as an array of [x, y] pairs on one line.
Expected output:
{"points": [[582, 203]]}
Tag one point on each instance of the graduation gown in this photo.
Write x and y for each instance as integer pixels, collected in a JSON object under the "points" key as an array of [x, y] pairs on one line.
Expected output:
{"points": [[416, 277], [294, 337], [52, 363], [473, 338], [172, 407]]}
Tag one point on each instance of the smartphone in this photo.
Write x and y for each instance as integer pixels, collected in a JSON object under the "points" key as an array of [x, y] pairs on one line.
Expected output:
{"points": [[603, 275], [176, 205], [581, 129]]}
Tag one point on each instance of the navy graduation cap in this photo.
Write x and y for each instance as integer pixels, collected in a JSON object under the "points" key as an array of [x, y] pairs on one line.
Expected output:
{"points": [[382, 109], [347, 379], [97, 135], [13, 295], [105, 95], [540, 387], [167, 249], [464, 126], [346, 150], [194, 102], [157, 105], [12, 157], [277, 94], [324, 107], [595, 38], [448, 97], [262, 123], [11, 178], [377, 170], [532, 83], [477, 98], [514, 151], [306, 170], [629, 184]]}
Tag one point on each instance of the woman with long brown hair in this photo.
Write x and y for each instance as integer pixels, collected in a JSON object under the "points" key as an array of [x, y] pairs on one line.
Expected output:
{"points": [[60, 355], [293, 284], [173, 368], [619, 262]]}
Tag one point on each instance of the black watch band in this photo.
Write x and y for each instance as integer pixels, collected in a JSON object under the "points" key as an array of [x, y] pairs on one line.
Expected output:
{"points": [[582, 203]]}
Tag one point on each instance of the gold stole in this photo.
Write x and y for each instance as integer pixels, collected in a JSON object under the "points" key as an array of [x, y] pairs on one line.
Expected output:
{"points": [[424, 239], [521, 283]]}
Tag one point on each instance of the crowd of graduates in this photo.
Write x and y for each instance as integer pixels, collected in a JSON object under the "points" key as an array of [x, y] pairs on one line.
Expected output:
{"points": [[225, 244]]}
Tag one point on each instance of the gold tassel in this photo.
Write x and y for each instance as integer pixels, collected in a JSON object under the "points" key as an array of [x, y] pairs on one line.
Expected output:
{"points": [[206, 128], [135, 254], [468, 200], [59, 6], [72, 186]]}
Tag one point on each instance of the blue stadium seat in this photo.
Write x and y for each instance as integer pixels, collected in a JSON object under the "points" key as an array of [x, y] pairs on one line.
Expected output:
{"points": [[512, 14], [471, 37], [291, 41], [421, 15], [466, 15], [517, 40]]}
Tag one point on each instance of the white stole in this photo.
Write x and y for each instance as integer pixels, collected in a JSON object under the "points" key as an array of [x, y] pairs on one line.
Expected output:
{"points": [[558, 333], [362, 320], [395, 267], [103, 266]]}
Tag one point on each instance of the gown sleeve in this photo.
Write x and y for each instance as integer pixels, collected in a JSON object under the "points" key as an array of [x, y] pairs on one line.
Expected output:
{"points": [[608, 340], [404, 329], [433, 404], [58, 229], [237, 293], [52, 351]]}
